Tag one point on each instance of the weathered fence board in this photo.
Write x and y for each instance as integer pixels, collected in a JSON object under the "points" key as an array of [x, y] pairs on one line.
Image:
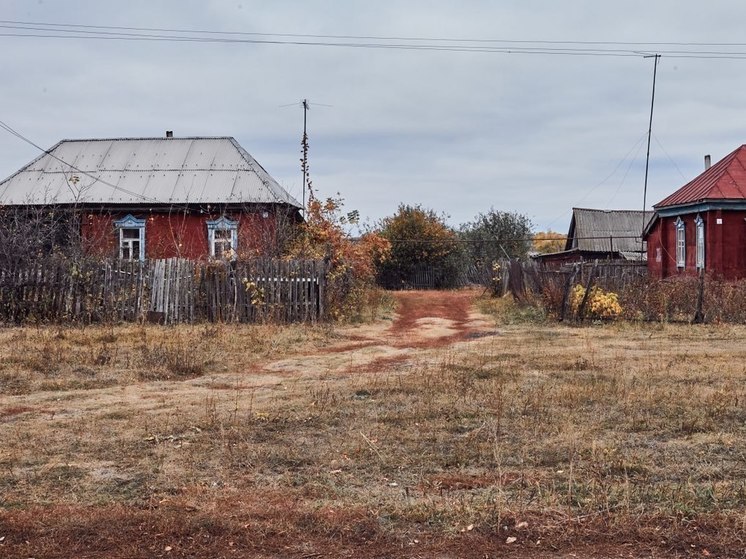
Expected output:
{"points": [[168, 291]]}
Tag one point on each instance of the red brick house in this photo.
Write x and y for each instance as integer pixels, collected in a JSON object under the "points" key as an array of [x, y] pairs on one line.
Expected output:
{"points": [[137, 198], [702, 226]]}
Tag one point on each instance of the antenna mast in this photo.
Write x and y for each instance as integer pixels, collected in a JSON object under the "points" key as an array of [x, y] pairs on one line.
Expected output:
{"points": [[304, 161], [656, 57]]}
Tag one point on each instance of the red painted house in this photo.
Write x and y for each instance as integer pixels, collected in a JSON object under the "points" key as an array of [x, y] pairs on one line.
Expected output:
{"points": [[137, 198], [702, 226]]}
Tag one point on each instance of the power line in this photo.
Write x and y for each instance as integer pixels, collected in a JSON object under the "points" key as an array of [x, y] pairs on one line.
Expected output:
{"points": [[28, 29], [18, 135], [368, 37], [660, 145], [436, 48], [636, 146]]}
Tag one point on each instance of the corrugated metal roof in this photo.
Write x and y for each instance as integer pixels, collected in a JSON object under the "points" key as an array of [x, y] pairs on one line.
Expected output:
{"points": [[726, 180], [142, 171], [606, 230]]}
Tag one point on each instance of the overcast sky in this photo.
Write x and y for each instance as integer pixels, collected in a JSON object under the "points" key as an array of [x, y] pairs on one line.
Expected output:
{"points": [[458, 132]]}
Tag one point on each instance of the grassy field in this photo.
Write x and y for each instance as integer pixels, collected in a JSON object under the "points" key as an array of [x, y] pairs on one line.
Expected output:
{"points": [[508, 438]]}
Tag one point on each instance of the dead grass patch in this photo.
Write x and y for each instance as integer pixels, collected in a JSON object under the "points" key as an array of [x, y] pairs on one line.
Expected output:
{"points": [[600, 441]]}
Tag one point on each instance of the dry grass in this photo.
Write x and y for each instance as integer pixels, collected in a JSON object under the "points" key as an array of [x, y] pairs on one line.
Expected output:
{"points": [[606, 439], [61, 359]]}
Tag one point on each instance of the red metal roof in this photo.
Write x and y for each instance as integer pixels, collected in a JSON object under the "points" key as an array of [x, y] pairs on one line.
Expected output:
{"points": [[726, 180]]}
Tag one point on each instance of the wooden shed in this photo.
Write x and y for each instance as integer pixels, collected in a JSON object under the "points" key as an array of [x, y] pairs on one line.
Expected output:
{"points": [[601, 235]]}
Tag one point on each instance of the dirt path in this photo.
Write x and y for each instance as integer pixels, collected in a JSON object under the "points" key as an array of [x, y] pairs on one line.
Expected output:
{"points": [[202, 467], [425, 320]]}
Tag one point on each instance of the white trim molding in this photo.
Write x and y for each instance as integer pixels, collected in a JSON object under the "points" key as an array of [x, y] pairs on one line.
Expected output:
{"points": [[223, 225], [700, 241], [128, 243], [680, 243]]}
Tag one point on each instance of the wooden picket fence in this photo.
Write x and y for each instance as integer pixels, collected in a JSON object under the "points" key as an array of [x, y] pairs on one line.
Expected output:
{"points": [[519, 277], [165, 291], [246, 291]]}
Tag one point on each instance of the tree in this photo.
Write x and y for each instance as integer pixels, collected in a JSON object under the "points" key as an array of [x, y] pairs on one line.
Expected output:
{"points": [[351, 262], [30, 232], [419, 239], [546, 242], [495, 235]]}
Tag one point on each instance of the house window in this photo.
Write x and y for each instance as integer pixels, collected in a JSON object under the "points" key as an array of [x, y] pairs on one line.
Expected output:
{"points": [[680, 243], [222, 235], [700, 228], [131, 238]]}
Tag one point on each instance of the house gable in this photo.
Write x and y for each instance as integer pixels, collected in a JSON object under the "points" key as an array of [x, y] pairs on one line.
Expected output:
{"points": [[702, 226], [723, 182]]}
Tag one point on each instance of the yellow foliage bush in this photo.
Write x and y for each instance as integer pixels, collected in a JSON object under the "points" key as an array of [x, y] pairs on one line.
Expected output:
{"points": [[600, 304]]}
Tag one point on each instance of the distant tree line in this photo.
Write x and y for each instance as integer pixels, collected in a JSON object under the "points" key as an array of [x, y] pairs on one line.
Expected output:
{"points": [[420, 238]]}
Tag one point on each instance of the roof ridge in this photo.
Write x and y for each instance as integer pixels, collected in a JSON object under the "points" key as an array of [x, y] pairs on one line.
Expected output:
{"points": [[606, 211], [149, 138], [709, 181]]}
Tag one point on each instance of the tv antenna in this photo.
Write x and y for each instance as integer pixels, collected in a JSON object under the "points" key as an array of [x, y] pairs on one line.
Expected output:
{"points": [[655, 58], [306, 105]]}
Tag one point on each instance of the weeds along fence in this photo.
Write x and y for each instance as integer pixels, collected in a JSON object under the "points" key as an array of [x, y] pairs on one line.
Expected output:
{"points": [[701, 298], [523, 279], [165, 291]]}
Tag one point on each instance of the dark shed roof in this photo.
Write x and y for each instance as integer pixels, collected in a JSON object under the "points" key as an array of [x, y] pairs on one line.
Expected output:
{"points": [[606, 230]]}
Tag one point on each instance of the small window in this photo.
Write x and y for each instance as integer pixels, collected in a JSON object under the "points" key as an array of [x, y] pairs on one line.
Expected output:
{"points": [[680, 243], [700, 242], [222, 235], [131, 238], [222, 243]]}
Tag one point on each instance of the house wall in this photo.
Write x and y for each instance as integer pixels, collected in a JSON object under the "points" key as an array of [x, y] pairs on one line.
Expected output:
{"points": [[725, 245], [560, 259], [180, 234]]}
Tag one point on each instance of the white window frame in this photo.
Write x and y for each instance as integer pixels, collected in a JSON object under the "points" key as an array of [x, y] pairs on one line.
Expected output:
{"points": [[700, 237], [129, 222], [222, 224], [680, 243]]}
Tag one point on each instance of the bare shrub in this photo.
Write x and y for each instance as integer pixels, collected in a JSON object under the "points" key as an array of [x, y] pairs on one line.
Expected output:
{"points": [[173, 359], [675, 300]]}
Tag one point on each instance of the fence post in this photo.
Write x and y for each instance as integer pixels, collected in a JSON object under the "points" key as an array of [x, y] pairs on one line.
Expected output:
{"points": [[699, 316], [586, 295], [566, 296]]}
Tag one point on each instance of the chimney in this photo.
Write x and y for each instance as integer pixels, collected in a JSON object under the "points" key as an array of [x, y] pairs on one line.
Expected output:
{"points": [[708, 162], [170, 134]]}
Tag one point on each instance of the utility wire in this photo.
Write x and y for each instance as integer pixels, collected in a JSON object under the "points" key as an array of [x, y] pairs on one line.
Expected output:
{"points": [[368, 37], [579, 201], [29, 29], [17, 134], [660, 145]]}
